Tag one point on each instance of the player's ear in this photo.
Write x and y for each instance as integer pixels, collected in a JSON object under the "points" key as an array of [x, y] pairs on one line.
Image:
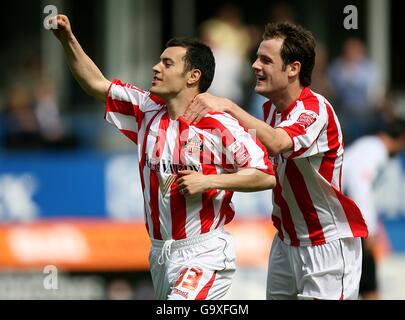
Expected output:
{"points": [[294, 68], [194, 77]]}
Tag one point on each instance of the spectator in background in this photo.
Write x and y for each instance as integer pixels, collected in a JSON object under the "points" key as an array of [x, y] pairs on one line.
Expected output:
{"points": [[47, 112], [355, 80], [21, 128], [49, 119], [320, 80], [230, 41], [30, 111], [32, 120], [364, 161]]}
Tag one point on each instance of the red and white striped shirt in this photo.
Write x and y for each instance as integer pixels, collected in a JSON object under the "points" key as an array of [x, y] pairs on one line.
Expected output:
{"points": [[309, 207], [217, 144]]}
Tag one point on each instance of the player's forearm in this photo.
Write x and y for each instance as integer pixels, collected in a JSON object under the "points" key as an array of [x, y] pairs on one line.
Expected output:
{"points": [[87, 74], [275, 140], [247, 180]]}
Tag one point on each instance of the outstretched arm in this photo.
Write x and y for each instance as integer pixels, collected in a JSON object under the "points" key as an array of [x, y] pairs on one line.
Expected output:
{"points": [[276, 140], [246, 180], [87, 74]]}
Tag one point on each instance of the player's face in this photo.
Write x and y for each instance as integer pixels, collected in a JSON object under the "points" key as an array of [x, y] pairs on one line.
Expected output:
{"points": [[169, 76], [268, 67]]}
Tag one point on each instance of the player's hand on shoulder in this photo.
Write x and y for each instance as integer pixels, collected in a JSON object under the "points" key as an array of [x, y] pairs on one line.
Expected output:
{"points": [[203, 104], [62, 29]]}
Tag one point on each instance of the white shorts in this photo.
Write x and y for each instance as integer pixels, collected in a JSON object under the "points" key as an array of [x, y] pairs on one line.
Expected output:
{"points": [[198, 268], [330, 271]]}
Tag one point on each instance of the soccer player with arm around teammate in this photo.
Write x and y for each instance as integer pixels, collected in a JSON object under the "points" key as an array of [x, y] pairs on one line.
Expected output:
{"points": [[317, 251], [188, 172]]}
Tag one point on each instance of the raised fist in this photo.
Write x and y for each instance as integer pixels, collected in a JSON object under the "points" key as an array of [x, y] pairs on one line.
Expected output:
{"points": [[63, 29]]}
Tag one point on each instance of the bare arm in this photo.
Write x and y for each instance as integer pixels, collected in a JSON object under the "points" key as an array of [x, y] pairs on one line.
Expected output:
{"points": [[246, 180], [87, 74], [276, 140]]}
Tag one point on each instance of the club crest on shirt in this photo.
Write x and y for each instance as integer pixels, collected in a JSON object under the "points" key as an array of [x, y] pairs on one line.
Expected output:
{"points": [[307, 118], [193, 145]]}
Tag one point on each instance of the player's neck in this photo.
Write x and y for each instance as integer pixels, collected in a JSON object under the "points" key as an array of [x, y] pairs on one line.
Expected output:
{"points": [[283, 99], [177, 105]]}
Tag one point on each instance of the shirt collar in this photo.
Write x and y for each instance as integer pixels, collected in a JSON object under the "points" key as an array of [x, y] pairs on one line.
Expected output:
{"points": [[304, 94]]}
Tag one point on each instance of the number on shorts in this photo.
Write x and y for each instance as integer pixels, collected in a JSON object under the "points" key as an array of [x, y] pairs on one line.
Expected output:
{"points": [[189, 278]]}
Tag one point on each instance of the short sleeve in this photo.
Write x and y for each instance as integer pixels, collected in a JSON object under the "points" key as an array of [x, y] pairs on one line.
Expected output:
{"points": [[241, 148], [126, 106], [304, 128]]}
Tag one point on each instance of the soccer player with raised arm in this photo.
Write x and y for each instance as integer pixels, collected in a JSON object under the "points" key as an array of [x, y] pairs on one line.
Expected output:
{"points": [[188, 172]]}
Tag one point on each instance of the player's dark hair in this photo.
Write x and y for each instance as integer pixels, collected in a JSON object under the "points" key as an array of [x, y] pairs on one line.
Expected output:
{"points": [[198, 56], [298, 45], [395, 128]]}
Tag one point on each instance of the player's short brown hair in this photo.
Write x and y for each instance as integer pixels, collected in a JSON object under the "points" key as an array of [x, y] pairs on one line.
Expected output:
{"points": [[298, 45]]}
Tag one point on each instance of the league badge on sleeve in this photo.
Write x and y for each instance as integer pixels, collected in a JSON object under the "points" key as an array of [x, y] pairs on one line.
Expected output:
{"points": [[307, 118]]}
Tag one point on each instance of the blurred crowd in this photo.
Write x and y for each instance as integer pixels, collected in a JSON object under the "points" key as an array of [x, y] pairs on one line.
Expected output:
{"points": [[32, 118], [350, 81], [30, 112]]}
